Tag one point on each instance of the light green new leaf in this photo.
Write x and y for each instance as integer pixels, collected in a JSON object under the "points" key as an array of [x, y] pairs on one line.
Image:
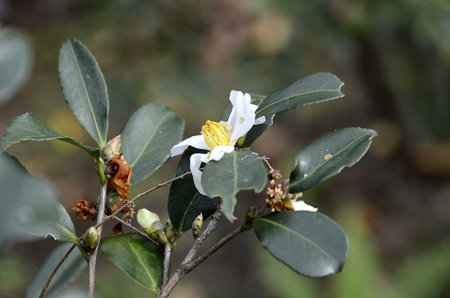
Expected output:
{"points": [[309, 243], [147, 138], [328, 155], [27, 127], [314, 88], [137, 256], [65, 275], [30, 206], [236, 171], [16, 61], [84, 88]]}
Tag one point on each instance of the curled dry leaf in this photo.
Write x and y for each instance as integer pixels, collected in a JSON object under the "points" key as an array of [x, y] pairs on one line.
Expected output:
{"points": [[118, 228], [120, 173]]}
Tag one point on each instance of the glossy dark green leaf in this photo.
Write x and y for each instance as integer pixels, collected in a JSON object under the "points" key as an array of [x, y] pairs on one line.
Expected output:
{"points": [[137, 257], [328, 155], [185, 202], [314, 88], [84, 88], [30, 206], [236, 171], [16, 61], [27, 127], [66, 274], [310, 243], [147, 138]]}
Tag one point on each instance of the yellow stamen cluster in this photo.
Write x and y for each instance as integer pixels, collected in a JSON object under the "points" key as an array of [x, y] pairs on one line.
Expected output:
{"points": [[215, 134]]}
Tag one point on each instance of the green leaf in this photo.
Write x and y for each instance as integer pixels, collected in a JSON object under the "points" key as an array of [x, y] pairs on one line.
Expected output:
{"points": [[66, 274], [147, 138], [256, 131], [185, 202], [16, 61], [84, 88], [310, 243], [30, 206], [27, 127], [328, 155], [314, 88], [138, 257], [236, 171]]}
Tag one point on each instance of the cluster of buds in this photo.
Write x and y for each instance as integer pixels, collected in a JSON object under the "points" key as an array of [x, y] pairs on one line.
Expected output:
{"points": [[279, 199], [152, 226], [277, 195], [85, 210]]}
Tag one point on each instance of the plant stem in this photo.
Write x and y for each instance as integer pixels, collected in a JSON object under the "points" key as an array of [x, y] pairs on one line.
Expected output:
{"points": [[180, 273], [93, 257], [44, 289], [106, 218], [133, 228], [167, 252]]}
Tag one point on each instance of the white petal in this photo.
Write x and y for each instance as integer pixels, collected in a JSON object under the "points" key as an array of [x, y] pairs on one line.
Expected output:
{"points": [[302, 206], [195, 141], [260, 120], [244, 117], [218, 152], [196, 161]]}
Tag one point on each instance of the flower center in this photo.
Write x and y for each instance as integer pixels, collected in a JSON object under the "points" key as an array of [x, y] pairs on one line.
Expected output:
{"points": [[215, 134]]}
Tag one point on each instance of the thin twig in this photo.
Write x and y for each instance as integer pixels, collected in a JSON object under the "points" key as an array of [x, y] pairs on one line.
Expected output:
{"points": [[167, 252], [188, 265], [93, 257], [132, 227], [141, 195], [191, 266], [44, 289], [180, 273]]}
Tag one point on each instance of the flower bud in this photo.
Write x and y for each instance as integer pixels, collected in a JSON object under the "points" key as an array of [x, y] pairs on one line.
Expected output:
{"points": [[196, 226], [250, 215], [146, 218], [168, 230], [241, 140], [90, 238], [112, 147]]}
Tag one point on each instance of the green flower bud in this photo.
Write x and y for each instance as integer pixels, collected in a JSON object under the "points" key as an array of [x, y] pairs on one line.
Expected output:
{"points": [[90, 238], [146, 218], [113, 147], [168, 230], [241, 140], [250, 215], [196, 226]]}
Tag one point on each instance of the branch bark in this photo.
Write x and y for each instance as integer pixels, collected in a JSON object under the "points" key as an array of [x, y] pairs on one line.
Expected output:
{"points": [[99, 226]]}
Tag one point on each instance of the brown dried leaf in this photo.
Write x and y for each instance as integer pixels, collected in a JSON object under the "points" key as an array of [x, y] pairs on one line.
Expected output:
{"points": [[120, 173], [118, 228]]}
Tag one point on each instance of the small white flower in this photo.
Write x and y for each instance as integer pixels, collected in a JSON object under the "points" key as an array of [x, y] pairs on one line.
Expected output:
{"points": [[220, 137], [302, 206]]}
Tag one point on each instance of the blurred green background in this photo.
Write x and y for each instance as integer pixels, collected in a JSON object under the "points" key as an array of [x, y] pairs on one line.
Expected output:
{"points": [[394, 57]]}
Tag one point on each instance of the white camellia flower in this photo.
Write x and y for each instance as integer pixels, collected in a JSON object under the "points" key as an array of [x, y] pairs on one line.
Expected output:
{"points": [[220, 137]]}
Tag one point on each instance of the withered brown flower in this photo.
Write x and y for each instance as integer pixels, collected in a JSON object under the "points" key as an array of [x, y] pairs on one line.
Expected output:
{"points": [[85, 210], [120, 173]]}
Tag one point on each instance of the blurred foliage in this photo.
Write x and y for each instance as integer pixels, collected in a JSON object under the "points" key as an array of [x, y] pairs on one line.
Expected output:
{"points": [[393, 55]]}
